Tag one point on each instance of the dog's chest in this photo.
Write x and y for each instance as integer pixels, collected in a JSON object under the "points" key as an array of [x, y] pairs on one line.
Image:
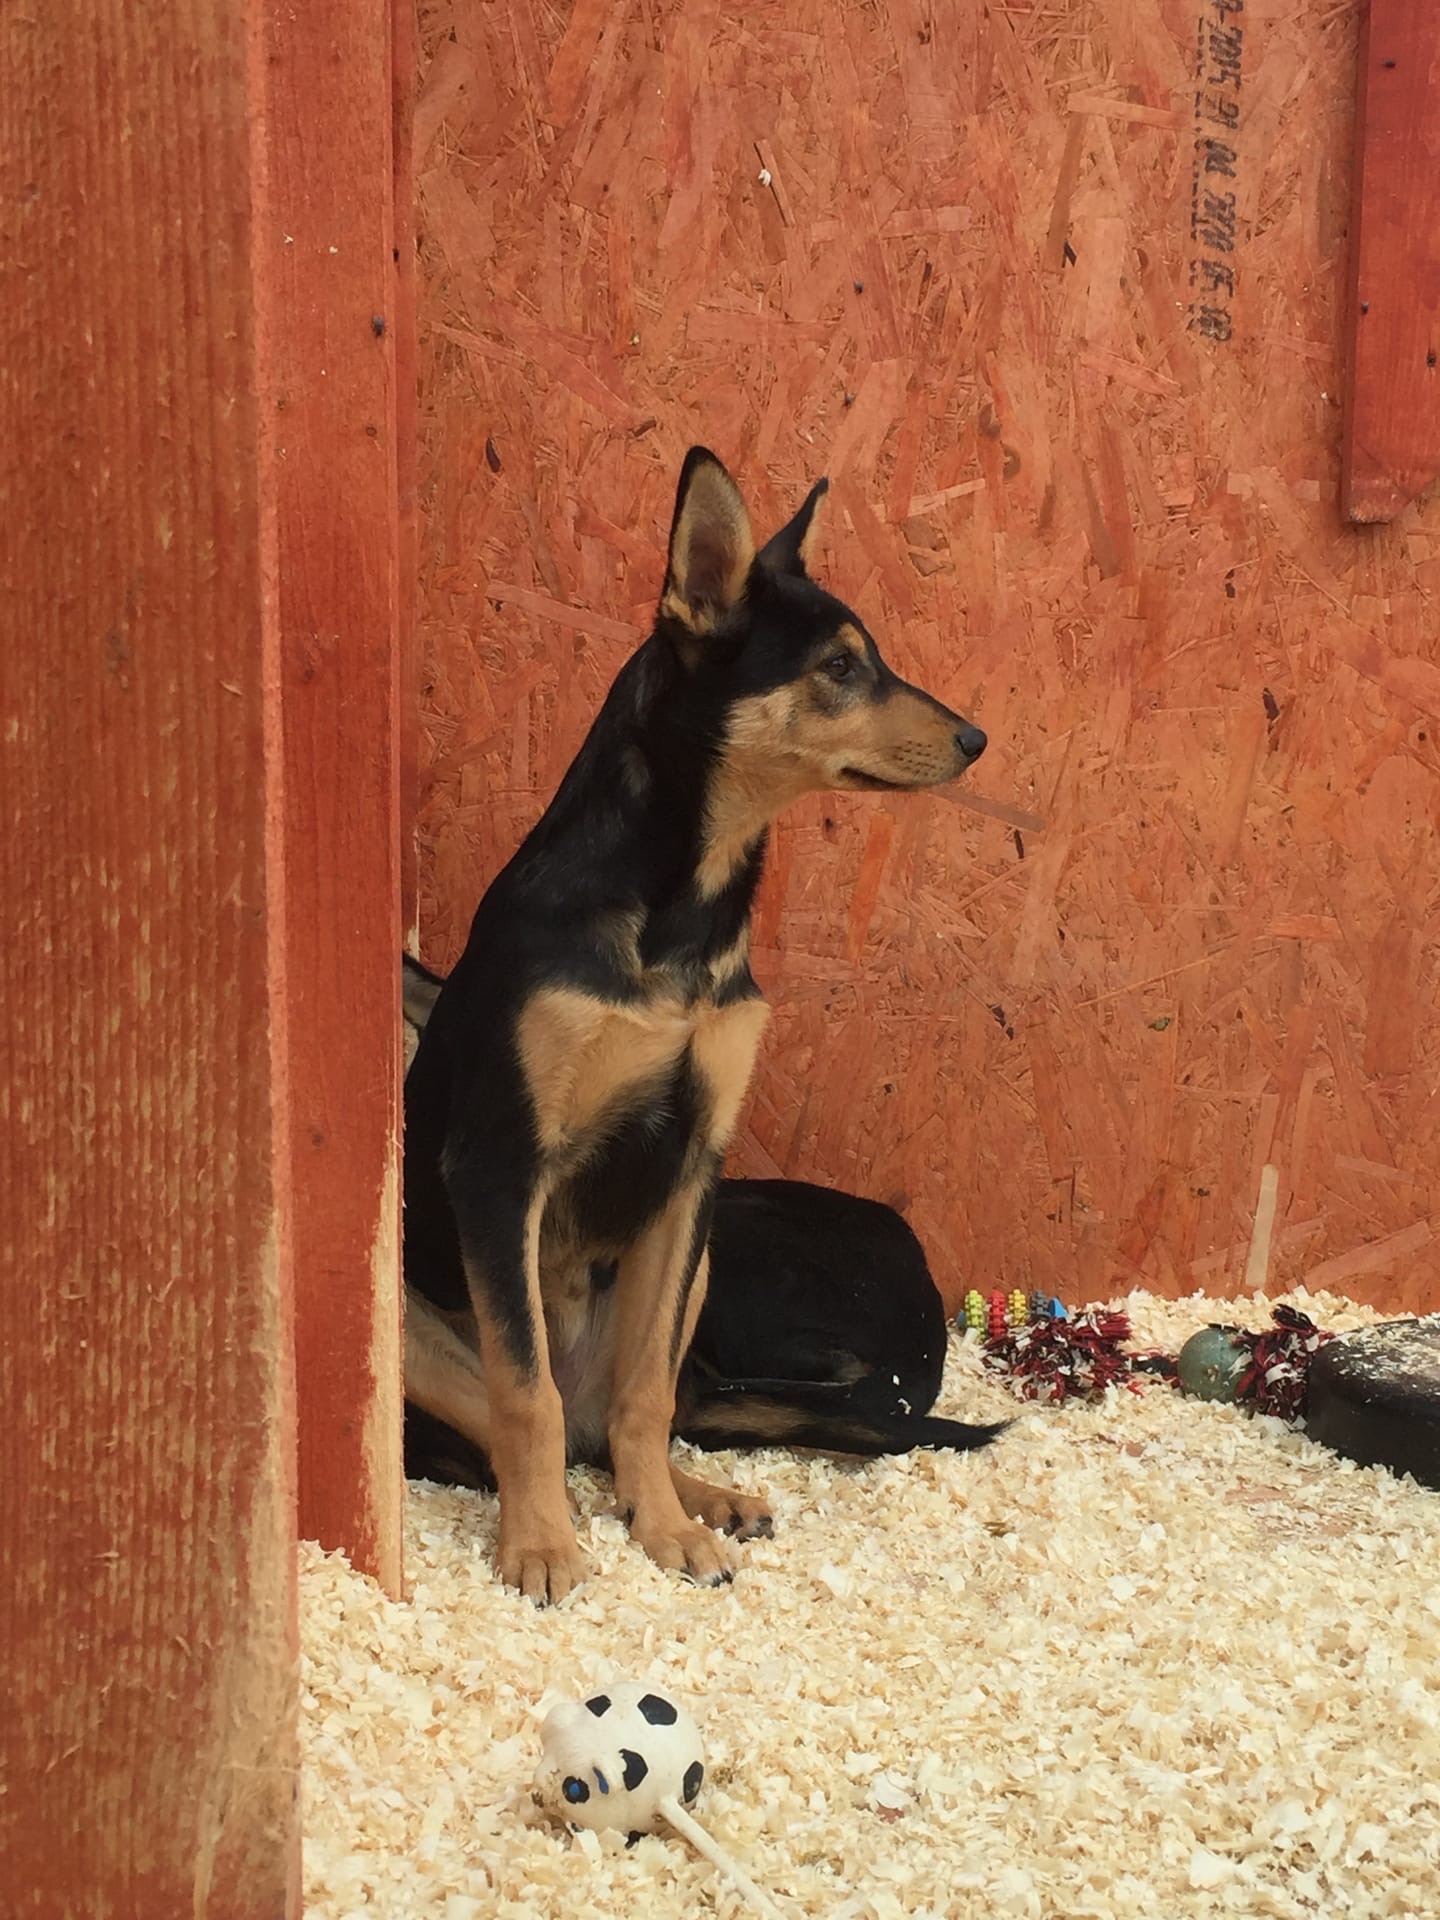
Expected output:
{"points": [[665, 1061]]}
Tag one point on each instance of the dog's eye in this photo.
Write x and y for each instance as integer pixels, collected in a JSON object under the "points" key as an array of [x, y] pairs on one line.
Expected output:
{"points": [[841, 666]]}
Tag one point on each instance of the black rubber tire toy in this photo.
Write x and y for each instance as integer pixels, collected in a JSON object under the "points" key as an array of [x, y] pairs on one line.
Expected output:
{"points": [[1374, 1396]]}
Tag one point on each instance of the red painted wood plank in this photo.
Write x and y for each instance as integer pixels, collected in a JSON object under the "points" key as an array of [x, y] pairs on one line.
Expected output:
{"points": [[332, 246], [147, 1512], [1391, 447], [404, 42]]}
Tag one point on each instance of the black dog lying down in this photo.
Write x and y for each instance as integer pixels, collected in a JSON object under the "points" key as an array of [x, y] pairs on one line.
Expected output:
{"points": [[822, 1328]]}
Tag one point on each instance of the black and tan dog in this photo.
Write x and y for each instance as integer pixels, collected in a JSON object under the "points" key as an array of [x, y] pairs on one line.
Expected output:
{"points": [[584, 1065], [821, 1326]]}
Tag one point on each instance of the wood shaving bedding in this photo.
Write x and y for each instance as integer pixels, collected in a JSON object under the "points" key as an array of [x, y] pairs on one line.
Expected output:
{"points": [[1149, 1657]]}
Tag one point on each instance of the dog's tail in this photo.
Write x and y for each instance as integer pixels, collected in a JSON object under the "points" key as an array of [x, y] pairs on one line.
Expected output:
{"points": [[826, 1416]]}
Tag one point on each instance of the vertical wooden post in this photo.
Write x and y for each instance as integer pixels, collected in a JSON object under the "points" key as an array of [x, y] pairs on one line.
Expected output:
{"points": [[147, 1573], [1391, 447], [404, 38], [331, 246]]}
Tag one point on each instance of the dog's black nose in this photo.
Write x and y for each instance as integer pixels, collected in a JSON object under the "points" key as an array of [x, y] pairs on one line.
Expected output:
{"points": [[971, 741]]}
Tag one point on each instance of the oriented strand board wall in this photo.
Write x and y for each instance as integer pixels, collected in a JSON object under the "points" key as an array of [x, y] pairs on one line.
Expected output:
{"points": [[1064, 324]]}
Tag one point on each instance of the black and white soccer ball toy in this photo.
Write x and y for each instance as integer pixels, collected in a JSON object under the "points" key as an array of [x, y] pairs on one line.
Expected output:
{"points": [[611, 1760], [630, 1758]]}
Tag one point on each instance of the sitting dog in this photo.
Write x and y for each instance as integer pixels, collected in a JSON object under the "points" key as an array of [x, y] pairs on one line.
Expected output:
{"points": [[576, 1087], [821, 1325]]}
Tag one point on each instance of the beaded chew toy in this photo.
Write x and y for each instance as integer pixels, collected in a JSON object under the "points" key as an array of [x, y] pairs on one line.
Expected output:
{"points": [[1001, 1311]]}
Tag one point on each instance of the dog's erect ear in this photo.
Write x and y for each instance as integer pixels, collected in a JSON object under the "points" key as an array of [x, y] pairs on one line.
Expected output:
{"points": [[791, 549], [711, 545]]}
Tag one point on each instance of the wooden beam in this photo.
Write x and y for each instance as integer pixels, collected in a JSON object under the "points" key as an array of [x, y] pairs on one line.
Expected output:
{"points": [[147, 1567], [332, 246], [1391, 447], [404, 41]]}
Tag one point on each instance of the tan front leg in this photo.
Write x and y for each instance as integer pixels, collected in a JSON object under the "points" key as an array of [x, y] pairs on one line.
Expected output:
{"points": [[444, 1377], [537, 1550], [743, 1516], [655, 1308], [724, 1047]]}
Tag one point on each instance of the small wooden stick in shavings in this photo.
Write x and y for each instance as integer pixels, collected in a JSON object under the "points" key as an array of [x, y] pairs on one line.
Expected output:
{"points": [[712, 1851]]}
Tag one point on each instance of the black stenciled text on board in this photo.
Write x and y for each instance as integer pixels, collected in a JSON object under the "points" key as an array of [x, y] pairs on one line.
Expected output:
{"points": [[1219, 46]]}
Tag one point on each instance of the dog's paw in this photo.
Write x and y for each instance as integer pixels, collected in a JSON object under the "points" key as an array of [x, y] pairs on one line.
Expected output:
{"points": [[543, 1566], [741, 1515], [686, 1548], [745, 1518]]}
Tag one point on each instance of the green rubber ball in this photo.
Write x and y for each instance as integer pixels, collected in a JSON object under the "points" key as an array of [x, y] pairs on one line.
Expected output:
{"points": [[1211, 1365]]}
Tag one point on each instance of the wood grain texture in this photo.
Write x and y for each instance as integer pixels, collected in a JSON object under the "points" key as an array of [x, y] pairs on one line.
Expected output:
{"points": [[404, 50], [1057, 299], [147, 1501], [1391, 449], [331, 247]]}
